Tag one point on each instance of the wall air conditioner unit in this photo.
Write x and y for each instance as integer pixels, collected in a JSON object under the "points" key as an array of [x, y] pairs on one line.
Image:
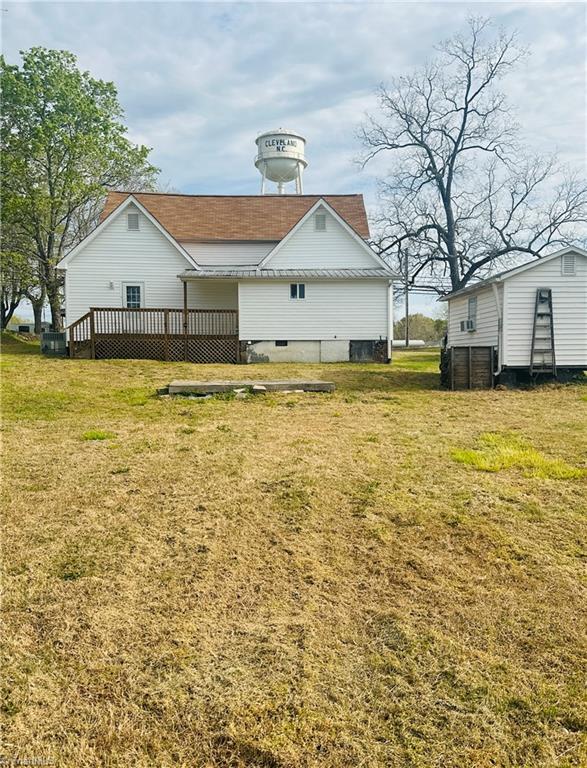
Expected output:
{"points": [[468, 325]]}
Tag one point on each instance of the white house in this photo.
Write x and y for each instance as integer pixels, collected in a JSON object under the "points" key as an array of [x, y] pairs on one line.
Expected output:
{"points": [[295, 271], [534, 316]]}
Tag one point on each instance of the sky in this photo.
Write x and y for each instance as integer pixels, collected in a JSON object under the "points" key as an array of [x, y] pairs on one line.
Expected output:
{"points": [[199, 81]]}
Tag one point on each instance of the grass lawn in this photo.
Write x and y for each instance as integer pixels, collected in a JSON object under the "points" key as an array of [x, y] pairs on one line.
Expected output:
{"points": [[388, 576]]}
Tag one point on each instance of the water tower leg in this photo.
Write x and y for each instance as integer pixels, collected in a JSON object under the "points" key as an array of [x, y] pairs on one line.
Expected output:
{"points": [[299, 188], [262, 183], [280, 188]]}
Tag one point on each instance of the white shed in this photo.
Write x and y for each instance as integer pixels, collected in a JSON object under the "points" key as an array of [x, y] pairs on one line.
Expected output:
{"points": [[533, 316]]}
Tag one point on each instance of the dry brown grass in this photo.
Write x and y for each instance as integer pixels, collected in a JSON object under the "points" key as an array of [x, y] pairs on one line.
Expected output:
{"points": [[291, 580]]}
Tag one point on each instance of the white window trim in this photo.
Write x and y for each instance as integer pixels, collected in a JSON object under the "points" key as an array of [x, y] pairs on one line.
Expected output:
{"points": [[140, 285], [297, 298]]}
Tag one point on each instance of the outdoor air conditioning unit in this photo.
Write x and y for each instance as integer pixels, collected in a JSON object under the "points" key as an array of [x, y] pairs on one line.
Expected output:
{"points": [[468, 325], [54, 343]]}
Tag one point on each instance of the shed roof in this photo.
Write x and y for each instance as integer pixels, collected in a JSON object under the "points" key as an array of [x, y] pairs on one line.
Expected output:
{"points": [[206, 218], [472, 287]]}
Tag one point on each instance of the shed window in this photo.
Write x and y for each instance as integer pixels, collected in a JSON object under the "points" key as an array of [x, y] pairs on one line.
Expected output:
{"points": [[281, 343], [133, 296], [297, 291], [133, 221], [568, 264], [320, 222], [472, 310]]}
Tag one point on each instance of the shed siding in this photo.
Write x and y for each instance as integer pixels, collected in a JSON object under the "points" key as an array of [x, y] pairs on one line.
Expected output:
{"points": [[145, 256], [487, 325], [228, 254], [345, 309], [309, 249], [569, 299]]}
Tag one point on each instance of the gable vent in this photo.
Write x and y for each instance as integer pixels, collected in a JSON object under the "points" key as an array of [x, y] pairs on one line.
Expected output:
{"points": [[133, 221], [568, 264], [320, 222]]}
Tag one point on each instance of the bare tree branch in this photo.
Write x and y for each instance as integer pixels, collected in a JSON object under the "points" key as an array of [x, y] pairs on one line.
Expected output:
{"points": [[461, 192]]}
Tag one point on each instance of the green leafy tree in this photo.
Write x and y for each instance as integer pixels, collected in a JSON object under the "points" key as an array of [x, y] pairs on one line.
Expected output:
{"points": [[63, 146], [429, 329]]}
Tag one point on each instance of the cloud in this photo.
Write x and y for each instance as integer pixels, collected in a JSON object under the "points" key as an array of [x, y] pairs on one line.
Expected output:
{"points": [[198, 81]]}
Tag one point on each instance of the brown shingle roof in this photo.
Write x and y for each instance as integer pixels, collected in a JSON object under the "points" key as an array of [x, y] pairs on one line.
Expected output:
{"points": [[244, 217]]}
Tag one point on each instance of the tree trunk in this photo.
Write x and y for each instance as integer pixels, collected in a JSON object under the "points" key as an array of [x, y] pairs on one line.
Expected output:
{"points": [[55, 306], [38, 315], [7, 312]]}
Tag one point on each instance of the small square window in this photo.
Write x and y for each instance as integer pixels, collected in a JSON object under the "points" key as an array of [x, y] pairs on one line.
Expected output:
{"points": [[320, 222], [297, 291], [133, 296], [281, 343], [133, 221]]}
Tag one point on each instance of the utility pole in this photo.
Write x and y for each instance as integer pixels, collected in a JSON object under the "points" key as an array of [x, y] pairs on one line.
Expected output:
{"points": [[406, 280]]}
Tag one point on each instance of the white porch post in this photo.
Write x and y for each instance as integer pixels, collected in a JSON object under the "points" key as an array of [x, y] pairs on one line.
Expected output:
{"points": [[389, 318]]}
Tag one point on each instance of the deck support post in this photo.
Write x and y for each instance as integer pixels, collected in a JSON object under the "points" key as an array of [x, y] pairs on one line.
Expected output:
{"points": [[92, 334], [185, 320], [166, 332]]}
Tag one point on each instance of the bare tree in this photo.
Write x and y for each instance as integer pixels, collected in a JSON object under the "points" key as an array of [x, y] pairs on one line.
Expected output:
{"points": [[462, 196]]}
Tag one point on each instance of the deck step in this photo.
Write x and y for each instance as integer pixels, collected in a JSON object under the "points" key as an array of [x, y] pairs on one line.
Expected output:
{"points": [[214, 387]]}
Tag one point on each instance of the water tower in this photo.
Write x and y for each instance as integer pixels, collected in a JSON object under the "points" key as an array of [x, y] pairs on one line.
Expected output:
{"points": [[281, 158]]}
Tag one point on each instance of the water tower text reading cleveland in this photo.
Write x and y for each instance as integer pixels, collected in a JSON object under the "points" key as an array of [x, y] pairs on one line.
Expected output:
{"points": [[281, 144]]}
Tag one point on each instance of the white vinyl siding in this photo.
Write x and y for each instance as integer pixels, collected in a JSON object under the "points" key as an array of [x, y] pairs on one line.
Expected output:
{"points": [[95, 277], [334, 248], [486, 318], [343, 309], [228, 254], [569, 300]]}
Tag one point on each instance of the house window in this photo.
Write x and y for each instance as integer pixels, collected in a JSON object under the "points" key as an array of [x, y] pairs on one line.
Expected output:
{"points": [[297, 291], [281, 343], [320, 222], [568, 264], [132, 220], [133, 296]]}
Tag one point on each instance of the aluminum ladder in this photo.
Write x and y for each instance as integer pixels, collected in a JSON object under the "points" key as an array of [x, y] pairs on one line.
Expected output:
{"points": [[542, 357]]}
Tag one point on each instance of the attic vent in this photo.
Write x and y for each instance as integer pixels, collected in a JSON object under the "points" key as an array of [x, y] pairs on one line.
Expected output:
{"points": [[133, 221], [568, 264], [320, 222]]}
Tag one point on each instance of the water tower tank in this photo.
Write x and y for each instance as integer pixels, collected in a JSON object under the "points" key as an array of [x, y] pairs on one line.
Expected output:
{"points": [[281, 158]]}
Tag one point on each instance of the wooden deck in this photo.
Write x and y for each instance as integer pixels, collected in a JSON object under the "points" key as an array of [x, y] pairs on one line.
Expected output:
{"points": [[192, 335]]}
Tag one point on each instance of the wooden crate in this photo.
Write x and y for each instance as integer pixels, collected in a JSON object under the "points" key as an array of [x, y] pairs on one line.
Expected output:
{"points": [[469, 367]]}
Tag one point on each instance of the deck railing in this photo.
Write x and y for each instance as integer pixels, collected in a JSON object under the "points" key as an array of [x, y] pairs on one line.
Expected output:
{"points": [[169, 330], [163, 322]]}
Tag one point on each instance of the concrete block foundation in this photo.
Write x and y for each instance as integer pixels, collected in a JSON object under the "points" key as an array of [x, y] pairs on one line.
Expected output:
{"points": [[324, 351]]}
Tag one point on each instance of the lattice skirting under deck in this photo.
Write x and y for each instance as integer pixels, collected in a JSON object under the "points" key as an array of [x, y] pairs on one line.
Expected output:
{"points": [[196, 349]]}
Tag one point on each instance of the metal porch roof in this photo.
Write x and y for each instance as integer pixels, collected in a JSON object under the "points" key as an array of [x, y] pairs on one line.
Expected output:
{"points": [[286, 274]]}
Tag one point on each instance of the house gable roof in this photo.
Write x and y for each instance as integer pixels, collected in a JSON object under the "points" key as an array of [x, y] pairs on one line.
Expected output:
{"points": [[229, 218], [473, 287], [105, 221], [322, 203]]}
